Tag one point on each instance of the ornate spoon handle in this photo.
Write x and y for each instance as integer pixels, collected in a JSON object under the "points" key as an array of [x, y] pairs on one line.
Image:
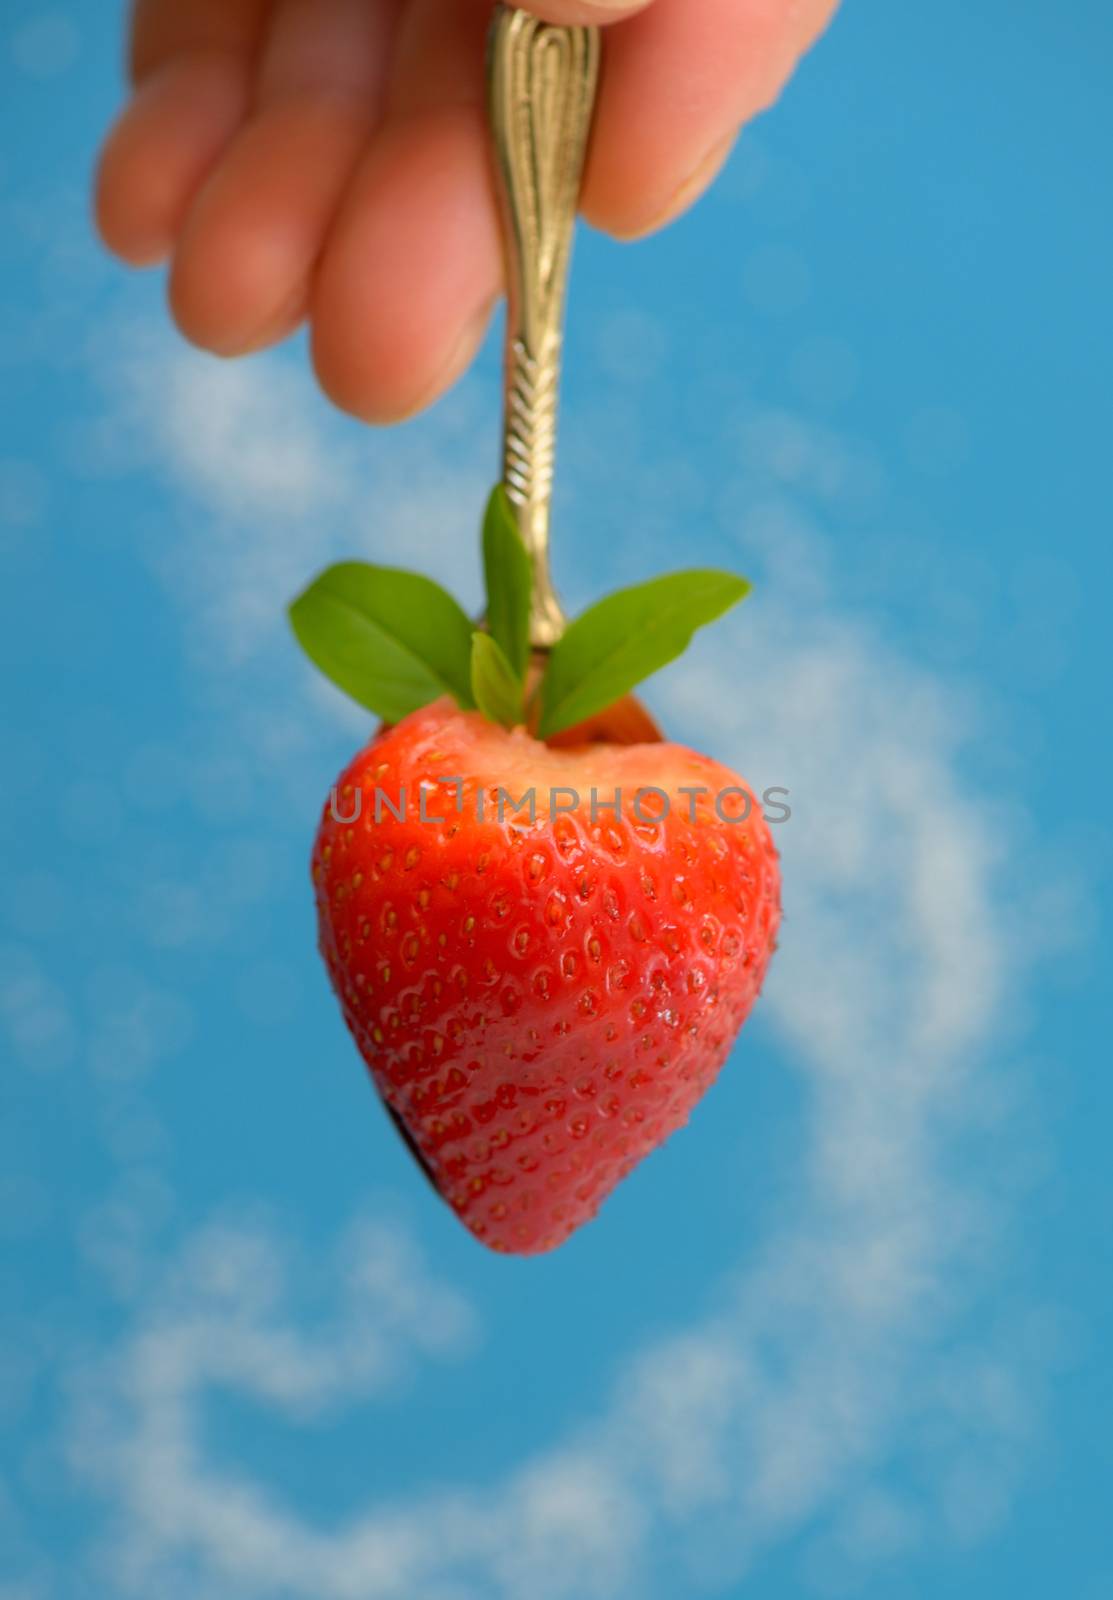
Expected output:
{"points": [[541, 86]]}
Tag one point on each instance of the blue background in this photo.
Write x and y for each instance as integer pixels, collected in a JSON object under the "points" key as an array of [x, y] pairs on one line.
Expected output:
{"points": [[848, 1334]]}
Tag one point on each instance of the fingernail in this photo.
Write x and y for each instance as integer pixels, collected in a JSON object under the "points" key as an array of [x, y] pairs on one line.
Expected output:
{"points": [[584, 12], [693, 186], [608, 7], [463, 354]]}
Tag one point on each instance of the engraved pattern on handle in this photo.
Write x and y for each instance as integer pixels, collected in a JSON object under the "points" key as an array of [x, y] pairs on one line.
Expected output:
{"points": [[542, 81]]}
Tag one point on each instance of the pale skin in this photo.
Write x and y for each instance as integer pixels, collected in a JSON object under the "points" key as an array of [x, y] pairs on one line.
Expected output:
{"points": [[326, 162]]}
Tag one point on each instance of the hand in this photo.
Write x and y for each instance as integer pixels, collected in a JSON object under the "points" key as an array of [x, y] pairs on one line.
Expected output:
{"points": [[327, 160]]}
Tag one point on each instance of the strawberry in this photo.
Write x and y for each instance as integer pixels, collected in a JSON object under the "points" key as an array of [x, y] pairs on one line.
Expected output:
{"points": [[544, 942], [540, 1000]]}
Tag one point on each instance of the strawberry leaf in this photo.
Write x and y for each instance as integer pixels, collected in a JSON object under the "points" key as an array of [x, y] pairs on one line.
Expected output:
{"points": [[622, 640], [495, 685], [392, 640], [509, 582]]}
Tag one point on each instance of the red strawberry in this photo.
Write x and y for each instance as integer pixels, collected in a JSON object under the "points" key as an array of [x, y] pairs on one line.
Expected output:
{"points": [[540, 1002], [544, 945]]}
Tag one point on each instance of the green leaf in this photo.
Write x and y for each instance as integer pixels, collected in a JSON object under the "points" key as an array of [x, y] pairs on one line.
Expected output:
{"points": [[496, 687], [625, 638], [393, 640], [509, 581]]}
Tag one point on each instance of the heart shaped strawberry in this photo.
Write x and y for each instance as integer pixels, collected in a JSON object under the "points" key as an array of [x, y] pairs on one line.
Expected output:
{"points": [[544, 954]]}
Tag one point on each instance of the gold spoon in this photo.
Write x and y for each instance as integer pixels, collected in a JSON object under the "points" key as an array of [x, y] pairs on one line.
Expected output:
{"points": [[542, 81]]}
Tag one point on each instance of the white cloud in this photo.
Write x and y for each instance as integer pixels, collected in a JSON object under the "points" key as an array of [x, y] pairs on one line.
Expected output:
{"points": [[776, 1415], [219, 1317], [280, 493], [34, 1012]]}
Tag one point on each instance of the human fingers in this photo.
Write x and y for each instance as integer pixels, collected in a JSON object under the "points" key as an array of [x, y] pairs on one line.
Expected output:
{"points": [[413, 266], [679, 80], [250, 245], [190, 66]]}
